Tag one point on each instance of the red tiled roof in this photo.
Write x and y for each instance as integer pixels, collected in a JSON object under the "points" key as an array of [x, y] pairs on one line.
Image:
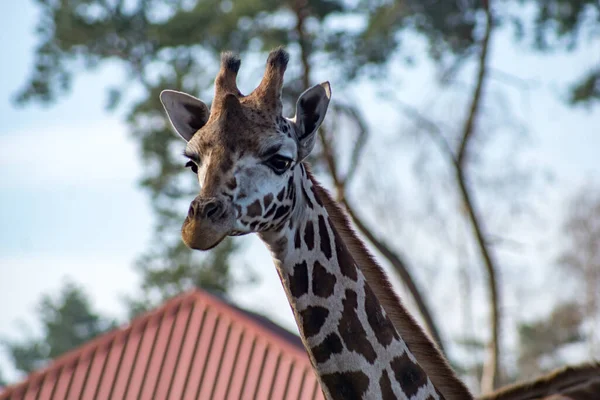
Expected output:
{"points": [[195, 346]]}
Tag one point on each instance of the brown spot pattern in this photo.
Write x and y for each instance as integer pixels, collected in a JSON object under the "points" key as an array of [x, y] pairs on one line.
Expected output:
{"points": [[352, 331], [346, 385], [386, 387], [309, 235], [324, 238], [281, 211], [323, 282], [409, 375], [313, 318], [267, 200], [232, 183], [290, 187], [281, 194], [293, 202], [297, 241], [381, 325], [318, 200], [254, 209], [345, 260], [332, 344], [306, 198], [299, 281]]}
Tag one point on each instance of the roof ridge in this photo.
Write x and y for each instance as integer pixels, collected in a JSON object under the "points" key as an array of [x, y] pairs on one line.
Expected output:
{"points": [[174, 304], [90, 346]]}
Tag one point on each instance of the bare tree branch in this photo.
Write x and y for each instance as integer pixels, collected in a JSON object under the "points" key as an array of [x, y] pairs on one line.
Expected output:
{"points": [[340, 184], [431, 127], [489, 376], [513, 80], [436, 134], [490, 372], [491, 367], [475, 101], [359, 145], [301, 11], [394, 259], [402, 270]]}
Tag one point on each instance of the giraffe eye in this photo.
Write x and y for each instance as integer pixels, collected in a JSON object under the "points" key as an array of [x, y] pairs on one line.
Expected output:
{"points": [[279, 164], [193, 166]]}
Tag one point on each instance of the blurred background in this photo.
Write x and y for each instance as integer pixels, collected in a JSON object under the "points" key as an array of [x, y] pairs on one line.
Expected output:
{"points": [[463, 140]]}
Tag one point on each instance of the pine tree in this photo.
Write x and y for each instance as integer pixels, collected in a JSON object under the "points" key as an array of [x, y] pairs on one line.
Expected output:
{"points": [[176, 44], [66, 323]]}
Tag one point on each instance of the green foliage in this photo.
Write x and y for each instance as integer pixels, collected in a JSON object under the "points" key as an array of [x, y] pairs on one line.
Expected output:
{"points": [[587, 89], [566, 24], [3, 381], [573, 321], [66, 323], [540, 341], [176, 44], [187, 35], [579, 261], [560, 23], [172, 271]]}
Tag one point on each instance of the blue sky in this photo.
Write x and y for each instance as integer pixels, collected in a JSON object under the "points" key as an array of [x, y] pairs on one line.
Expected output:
{"points": [[70, 207]]}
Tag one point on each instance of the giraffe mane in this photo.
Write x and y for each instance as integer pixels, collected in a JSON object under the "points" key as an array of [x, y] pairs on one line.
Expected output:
{"points": [[576, 382], [429, 357]]}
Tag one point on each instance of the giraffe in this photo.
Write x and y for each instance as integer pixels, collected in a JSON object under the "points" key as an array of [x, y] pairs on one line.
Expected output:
{"points": [[250, 162], [575, 382]]}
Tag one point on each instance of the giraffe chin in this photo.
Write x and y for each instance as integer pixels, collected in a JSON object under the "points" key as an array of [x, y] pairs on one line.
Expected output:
{"points": [[198, 236]]}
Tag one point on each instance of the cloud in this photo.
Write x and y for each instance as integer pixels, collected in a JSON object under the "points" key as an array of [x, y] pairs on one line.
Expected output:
{"points": [[79, 153], [26, 278]]}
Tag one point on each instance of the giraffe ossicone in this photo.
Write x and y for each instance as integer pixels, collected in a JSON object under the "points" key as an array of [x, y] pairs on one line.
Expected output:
{"points": [[249, 160]]}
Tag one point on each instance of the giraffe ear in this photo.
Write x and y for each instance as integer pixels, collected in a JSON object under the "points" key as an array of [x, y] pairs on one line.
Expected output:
{"points": [[310, 112], [186, 113]]}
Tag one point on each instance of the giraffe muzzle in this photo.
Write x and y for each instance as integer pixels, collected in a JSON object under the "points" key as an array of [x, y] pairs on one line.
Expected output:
{"points": [[209, 208], [208, 221]]}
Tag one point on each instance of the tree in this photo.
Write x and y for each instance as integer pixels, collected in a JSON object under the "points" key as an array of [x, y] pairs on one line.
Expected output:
{"points": [[172, 271], [567, 25], [67, 322], [573, 321], [541, 341], [3, 381], [580, 260], [175, 44]]}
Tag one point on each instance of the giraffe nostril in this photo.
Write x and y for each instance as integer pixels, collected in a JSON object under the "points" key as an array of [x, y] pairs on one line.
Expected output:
{"points": [[211, 208], [193, 210]]}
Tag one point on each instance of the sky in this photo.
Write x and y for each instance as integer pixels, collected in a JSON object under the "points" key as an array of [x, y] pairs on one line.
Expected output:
{"points": [[70, 204], [70, 208]]}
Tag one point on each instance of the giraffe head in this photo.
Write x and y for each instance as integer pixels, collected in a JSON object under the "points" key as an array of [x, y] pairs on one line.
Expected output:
{"points": [[244, 151]]}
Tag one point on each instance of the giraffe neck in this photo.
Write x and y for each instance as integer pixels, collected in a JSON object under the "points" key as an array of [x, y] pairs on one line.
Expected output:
{"points": [[354, 348]]}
